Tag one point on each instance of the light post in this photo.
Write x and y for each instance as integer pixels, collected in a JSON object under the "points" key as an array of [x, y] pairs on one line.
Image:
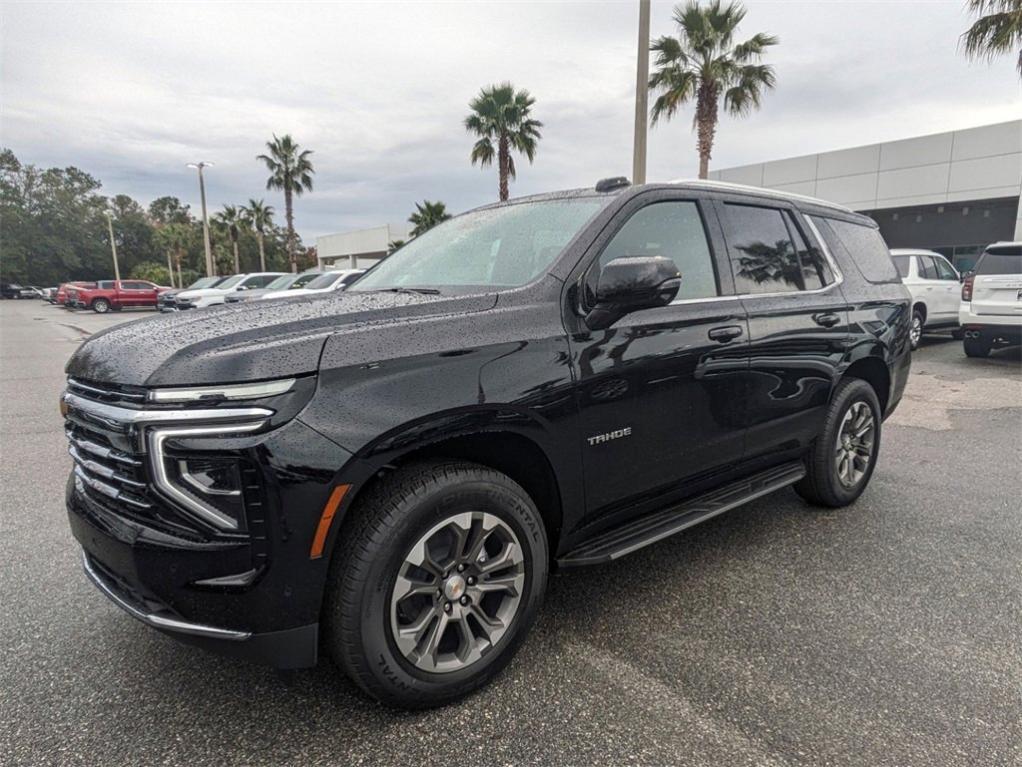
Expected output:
{"points": [[205, 219], [113, 245], [641, 97]]}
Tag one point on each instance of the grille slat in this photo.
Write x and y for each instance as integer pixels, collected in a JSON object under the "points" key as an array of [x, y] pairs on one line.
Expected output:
{"points": [[106, 393]]}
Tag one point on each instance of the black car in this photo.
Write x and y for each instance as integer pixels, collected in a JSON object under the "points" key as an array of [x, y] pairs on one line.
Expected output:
{"points": [[389, 474]]}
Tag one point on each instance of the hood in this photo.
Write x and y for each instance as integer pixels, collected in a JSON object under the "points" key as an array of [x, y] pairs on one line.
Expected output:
{"points": [[249, 341], [202, 292]]}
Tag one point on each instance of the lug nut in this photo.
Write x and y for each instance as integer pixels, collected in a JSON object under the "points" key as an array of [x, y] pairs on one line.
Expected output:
{"points": [[439, 593], [461, 568], [471, 580], [464, 600], [447, 607]]}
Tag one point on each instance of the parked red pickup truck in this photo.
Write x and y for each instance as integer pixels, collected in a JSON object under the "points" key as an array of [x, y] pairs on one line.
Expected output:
{"points": [[115, 295], [60, 297]]}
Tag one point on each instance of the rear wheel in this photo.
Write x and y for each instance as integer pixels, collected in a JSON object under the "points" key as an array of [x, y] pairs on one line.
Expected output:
{"points": [[101, 306], [976, 347], [841, 461], [915, 334], [435, 583]]}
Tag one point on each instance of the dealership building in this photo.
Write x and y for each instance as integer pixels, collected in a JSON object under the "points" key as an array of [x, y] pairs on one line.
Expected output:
{"points": [[951, 192], [358, 249]]}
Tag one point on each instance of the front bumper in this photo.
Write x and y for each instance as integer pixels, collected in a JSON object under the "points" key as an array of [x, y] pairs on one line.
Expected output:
{"points": [[252, 593]]}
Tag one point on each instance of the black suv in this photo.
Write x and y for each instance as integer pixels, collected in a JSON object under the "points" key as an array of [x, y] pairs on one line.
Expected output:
{"points": [[390, 473]]}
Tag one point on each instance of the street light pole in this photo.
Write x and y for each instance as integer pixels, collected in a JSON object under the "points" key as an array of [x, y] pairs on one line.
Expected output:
{"points": [[641, 97], [113, 245], [205, 218]]}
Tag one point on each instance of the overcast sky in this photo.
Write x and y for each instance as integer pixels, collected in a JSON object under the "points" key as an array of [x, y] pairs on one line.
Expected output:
{"points": [[130, 93]]}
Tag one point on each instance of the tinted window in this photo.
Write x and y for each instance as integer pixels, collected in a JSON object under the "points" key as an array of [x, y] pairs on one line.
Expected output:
{"points": [[323, 281], [306, 280], [763, 256], [924, 266], [1001, 260], [860, 244], [673, 230], [815, 270], [105, 284], [136, 286], [350, 278], [902, 263], [944, 270]]}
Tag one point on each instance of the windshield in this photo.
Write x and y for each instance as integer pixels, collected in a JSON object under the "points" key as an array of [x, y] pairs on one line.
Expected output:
{"points": [[506, 246], [204, 282], [281, 282], [305, 280], [230, 282], [324, 281]]}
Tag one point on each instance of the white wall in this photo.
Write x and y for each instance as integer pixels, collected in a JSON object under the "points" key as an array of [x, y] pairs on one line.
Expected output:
{"points": [[973, 164], [339, 250]]}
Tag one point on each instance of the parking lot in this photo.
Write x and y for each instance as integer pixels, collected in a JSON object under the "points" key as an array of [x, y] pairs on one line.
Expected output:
{"points": [[883, 634]]}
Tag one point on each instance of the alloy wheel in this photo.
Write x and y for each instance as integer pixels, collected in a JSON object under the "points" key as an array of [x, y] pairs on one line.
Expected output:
{"points": [[457, 592], [916, 333], [855, 442]]}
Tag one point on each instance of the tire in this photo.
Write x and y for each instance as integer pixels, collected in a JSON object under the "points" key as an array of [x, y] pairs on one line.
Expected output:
{"points": [[976, 347], [915, 334], [100, 306], [824, 483], [363, 615]]}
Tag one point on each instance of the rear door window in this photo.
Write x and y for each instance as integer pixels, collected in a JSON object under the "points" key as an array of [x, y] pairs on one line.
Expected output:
{"points": [[925, 268], [862, 245], [763, 255]]}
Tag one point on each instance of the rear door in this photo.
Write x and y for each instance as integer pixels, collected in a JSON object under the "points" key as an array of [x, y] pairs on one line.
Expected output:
{"points": [[948, 288], [997, 284], [798, 322]]}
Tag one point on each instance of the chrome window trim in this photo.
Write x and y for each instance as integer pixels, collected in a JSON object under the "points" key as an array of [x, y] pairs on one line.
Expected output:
{"points": [[155, 620], [156, 438], [231, 392]]}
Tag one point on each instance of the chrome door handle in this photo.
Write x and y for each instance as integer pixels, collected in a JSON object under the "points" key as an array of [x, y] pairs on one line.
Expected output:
{"points": [[827, 319], [725, 333]]}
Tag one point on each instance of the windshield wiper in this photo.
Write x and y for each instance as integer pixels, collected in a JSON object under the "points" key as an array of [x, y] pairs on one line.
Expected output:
{"points": [[421, 291]]}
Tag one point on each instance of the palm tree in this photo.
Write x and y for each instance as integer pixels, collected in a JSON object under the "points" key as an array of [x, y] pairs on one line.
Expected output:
{"points": [[998, 29], [427, 215], [501, 118], [290, 171], [230, 218], [704, 63], [394, 245], [259, 216], [175, 239]]}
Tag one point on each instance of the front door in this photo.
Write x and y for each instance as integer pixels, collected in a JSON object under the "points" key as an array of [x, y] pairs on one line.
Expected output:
{"points": [[659, 391], [798, 324]]}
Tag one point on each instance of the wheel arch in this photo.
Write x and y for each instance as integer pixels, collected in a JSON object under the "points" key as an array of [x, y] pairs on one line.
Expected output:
{"points": [[920, 306], [873, 371]]}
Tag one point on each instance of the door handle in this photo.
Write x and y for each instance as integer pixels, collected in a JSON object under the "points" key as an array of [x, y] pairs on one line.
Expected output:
{"points": [[725, 333], [827, 319]]}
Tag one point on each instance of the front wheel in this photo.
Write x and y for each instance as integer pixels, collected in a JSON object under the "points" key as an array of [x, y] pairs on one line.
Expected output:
{"points": [[435, 583], [841, 461], [100, 306]]}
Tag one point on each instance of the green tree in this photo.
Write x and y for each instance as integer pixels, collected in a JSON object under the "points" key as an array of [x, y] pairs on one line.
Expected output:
{"points": [[427, 215], [394, 245], [290, 171], [169, 210], [259, 216], [175, 239], [705, 63], [152, 271], [997, 31], [231, 219], [502, 119]]}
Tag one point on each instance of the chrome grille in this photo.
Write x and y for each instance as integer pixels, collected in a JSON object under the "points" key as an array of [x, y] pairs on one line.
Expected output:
{"points": [[111, 473], [102, 392]]}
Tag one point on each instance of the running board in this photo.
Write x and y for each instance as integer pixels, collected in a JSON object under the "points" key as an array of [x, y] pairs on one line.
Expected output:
{"points": [[637, 533]]}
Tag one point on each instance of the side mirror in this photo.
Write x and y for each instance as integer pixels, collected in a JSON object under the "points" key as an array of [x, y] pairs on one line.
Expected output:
{"points": [[629, 284]]}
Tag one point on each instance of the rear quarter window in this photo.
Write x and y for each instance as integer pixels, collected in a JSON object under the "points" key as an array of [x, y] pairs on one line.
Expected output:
{"points": [[861, 245]]}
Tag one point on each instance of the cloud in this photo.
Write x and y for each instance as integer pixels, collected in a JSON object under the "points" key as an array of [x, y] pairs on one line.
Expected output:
{"points": [[132, 92]]}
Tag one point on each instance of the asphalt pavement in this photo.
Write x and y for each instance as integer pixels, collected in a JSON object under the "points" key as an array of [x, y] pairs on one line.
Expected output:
{"points": [[888, 633]]}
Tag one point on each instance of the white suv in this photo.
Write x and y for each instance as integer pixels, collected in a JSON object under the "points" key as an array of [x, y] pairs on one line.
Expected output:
{"points": [[196, 299], [991, 313], [934, 285]]}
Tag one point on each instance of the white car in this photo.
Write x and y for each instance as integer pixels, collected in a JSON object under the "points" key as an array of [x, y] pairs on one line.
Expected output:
{"points": [[324, 283], [935, 288], [196, 299], [991, 312]]}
